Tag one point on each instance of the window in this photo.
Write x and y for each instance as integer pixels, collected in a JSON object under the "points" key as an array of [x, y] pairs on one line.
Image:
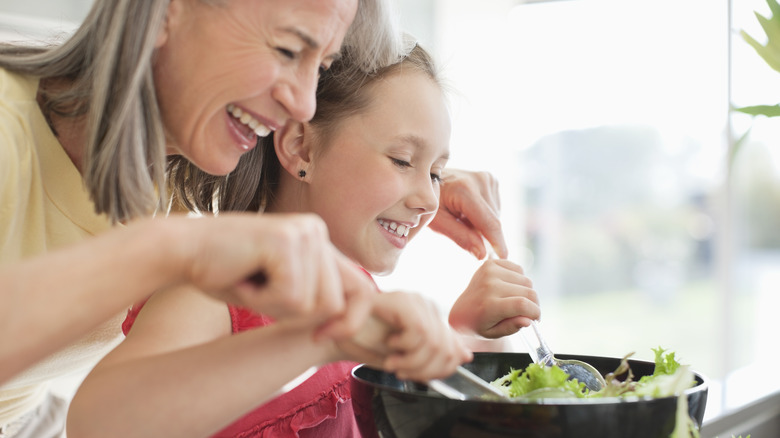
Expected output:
{"points": [[608, 126]]}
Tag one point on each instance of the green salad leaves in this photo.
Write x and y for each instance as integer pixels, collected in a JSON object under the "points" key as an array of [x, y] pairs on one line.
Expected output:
{"points": [[538, 381], [669, 379]]}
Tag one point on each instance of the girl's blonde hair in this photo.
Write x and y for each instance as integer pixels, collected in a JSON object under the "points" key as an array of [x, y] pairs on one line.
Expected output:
{"points": [[108, 60], [342, 91]]}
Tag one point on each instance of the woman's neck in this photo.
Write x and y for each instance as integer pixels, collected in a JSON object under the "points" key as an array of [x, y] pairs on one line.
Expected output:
{"points": [[69, 131]]}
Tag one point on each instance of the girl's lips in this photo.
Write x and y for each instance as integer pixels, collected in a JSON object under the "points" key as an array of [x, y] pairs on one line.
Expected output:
{"points": [[396, 232], [394, 239], [399, 228]]}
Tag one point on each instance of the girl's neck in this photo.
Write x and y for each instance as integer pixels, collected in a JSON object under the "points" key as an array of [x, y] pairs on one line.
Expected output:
{"points": [[290, 196]]}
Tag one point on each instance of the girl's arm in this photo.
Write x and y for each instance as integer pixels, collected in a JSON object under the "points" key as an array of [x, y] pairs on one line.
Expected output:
{"points": [[56, 298], [181, 373]]}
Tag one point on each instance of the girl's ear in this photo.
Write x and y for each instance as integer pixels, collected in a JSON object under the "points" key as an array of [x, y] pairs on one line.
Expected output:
{"points": [[292, 149]]}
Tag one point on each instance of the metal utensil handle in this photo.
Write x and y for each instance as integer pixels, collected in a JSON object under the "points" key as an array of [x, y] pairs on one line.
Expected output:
{"points": [[537, 348], [464, 385]]}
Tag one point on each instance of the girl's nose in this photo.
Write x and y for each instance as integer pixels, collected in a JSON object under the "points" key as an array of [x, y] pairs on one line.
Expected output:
{"points": [[425, 195]]}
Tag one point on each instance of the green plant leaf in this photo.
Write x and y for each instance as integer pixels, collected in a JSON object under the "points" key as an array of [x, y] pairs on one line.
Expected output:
{"points": [[760, 110], [771, 51]]}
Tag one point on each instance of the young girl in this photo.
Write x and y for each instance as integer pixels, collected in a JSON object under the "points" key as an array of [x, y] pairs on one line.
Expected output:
{"points": [[369, 165]]}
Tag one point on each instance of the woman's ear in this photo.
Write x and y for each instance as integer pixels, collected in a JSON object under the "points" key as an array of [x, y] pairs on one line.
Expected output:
{"points": [[171, 17], [292, 149]]}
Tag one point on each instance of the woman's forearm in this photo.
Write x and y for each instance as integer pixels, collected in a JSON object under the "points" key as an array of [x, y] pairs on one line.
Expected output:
{"points": [[195, 391], [50, 301]]}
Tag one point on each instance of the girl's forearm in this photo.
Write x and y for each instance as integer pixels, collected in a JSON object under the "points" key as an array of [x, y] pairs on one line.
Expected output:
{"points": [[196, 391]]}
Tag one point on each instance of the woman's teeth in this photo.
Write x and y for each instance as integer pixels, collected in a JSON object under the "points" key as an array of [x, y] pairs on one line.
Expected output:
{"points": [[400, 230], [260, 129]]}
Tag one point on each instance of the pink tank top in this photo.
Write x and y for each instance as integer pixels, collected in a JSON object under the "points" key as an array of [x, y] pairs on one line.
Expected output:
{"points": [[321, 406]]}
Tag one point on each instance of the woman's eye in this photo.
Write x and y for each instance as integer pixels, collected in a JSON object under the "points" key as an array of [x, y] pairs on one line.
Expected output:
{"points": [[400, 163], [286, 52], [436, 178]]}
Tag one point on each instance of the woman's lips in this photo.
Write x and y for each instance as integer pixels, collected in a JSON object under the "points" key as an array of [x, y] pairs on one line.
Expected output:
{"points": [[246, 126]]}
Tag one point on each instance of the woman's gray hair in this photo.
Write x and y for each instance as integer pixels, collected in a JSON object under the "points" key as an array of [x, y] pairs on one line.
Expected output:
{"points": [[109, 62]]}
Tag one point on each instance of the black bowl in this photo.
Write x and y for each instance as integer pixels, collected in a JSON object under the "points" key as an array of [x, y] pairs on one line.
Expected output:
{"points": [[400, 409]]}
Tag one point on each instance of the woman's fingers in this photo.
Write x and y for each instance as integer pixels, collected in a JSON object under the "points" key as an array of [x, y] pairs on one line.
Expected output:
{"points": [[358, 290], [278, 265], [469, 208]]}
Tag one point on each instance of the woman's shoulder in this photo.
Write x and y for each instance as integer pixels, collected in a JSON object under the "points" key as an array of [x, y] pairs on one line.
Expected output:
{"points": [[18, 115], [16, 88]]}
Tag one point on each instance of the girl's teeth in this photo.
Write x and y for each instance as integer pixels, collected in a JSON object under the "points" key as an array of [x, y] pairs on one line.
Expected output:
{"points": [[401, 230], [260, 129]]}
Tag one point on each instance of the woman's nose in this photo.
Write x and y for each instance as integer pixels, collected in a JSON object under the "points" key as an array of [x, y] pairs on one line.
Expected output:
{"points": [[298, 96]]}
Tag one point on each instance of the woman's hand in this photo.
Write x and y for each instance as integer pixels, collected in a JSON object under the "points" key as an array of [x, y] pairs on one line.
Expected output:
{"points": [[297, 271], [468, 210], [498, 301], [406, 336]]}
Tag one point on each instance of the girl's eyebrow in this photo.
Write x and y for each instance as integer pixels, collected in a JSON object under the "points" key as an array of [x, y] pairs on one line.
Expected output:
{"points": [[419, 143], [309, 41]]}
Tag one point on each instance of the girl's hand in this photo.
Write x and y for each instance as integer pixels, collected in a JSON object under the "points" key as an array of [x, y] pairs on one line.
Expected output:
{"points": [[406, 336], [498, 301], [279, 265], [469, 207]]}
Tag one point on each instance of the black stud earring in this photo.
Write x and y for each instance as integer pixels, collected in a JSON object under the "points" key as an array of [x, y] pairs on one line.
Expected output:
{"points": [[302, 173]]}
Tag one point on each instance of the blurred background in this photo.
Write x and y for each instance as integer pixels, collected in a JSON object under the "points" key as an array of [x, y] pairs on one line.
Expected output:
{"points": [[644, 210]]}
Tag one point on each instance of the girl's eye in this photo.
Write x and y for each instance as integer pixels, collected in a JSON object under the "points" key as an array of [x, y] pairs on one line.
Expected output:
{"points": [[436, 178], [400, 163]]}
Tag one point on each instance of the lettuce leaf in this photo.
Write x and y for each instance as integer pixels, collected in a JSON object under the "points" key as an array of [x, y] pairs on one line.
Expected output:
{"points": [[669, 378], [540, 381]]}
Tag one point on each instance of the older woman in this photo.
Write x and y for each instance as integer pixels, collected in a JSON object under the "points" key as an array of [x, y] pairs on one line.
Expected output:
{"points": [[87, 128]]}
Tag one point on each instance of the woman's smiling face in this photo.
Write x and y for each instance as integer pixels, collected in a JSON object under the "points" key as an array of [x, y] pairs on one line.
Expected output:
{"points": [[228, 71], [376, 182]]}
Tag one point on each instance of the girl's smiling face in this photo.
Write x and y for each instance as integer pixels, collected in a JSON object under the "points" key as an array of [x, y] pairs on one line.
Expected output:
{"points": [[376, 182], [228, 71]]}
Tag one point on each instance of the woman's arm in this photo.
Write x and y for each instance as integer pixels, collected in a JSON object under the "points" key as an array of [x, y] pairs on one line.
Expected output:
{"points": [[56, 298], [52, 300]]}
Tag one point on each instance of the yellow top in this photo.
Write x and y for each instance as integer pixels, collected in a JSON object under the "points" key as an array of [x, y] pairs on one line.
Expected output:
{"points": [[43, 206]]}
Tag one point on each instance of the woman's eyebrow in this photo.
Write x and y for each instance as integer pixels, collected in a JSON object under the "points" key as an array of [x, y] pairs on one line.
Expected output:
{"points": [[309, 41]]}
